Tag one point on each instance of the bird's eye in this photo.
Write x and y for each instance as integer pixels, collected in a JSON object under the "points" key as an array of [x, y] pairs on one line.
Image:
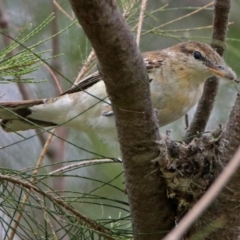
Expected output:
{"points": [[197, 55]]}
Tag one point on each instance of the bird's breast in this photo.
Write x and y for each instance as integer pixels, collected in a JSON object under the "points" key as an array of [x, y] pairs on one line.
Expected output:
{"points": [[173, 97]]}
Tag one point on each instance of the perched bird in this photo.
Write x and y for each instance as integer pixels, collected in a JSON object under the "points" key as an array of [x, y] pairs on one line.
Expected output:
{"points": [[177, 76]]}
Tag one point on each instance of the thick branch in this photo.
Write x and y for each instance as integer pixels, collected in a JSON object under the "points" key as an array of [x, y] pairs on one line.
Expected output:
{"points": [[205, 105], [228, 210], [231, 135], [127, 84], [225, 207]]}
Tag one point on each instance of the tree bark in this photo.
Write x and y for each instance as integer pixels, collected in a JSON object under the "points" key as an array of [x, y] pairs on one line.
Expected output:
{"points": [[127, 84], [205, 105], [222, 219], [228, 201]]}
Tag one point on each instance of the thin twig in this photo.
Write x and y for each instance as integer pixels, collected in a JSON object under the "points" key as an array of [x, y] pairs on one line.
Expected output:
{"points": [[128, 9], [84, 68], [205, 105], [32, 180], [54, 78], [81, 163], [140, 21], [62, 10], [180, 18], [81, 218]]}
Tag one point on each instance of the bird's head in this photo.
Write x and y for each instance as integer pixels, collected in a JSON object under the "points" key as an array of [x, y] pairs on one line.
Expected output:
{"points": [[199, 58]]}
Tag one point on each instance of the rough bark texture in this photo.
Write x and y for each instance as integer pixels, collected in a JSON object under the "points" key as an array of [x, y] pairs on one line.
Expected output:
{"points": [[205, 105], [221, 221], [231, 136], [228, 201], [127, 83]]}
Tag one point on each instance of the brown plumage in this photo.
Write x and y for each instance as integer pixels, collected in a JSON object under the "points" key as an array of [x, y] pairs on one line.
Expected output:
{"points": [[177, 76]]}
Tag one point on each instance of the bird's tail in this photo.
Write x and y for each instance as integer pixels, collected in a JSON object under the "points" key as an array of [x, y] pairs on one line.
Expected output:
{"points": [[16, 116]]}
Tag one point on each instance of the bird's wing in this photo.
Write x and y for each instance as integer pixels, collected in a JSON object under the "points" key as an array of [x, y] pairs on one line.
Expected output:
{"points": [[152, 60], [21, 109], [84, 84], [21, 115]]}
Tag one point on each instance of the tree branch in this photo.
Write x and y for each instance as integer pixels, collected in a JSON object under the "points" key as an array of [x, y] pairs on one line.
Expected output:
{"points": [[231, 135], [225, 208], [127, 84], [228, 201], [205, 105]]}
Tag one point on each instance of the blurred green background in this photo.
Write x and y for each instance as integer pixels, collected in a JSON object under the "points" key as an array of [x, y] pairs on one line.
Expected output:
{"points": [[105, 180]]}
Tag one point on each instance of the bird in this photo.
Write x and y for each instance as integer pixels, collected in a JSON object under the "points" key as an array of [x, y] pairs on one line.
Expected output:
{"points": [[177, 75]]}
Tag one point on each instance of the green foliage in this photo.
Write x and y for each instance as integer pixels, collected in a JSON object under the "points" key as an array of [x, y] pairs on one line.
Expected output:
{"points": [[47, 213], [98, 193], [13, 65]]}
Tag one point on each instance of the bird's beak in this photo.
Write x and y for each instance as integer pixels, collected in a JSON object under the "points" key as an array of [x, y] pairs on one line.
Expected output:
{"points": [[223, 72]]}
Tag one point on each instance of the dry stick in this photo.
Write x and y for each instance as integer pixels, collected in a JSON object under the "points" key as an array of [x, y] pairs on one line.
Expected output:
{"points": [[46, 217], [84, 68], [58, 152], [54, 78], [62, 131], [192, 29], [206, 200], [80, 164], [55, 42], [140, 22], [41, 136], [128, 9], [180, 18], [32, 180], [205, 105], [62, 10], [187, 15], [91, 56], [136, 26]]}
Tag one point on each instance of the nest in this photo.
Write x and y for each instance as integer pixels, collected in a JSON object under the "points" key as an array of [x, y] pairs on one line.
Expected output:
{"points": [[189, 168]]}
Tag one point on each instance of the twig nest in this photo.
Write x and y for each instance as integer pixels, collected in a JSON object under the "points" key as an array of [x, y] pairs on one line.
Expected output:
{"points": [[189, 169]]}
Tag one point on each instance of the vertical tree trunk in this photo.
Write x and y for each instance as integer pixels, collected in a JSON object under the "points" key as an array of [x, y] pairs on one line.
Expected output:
{"points": [[127, 83]]}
